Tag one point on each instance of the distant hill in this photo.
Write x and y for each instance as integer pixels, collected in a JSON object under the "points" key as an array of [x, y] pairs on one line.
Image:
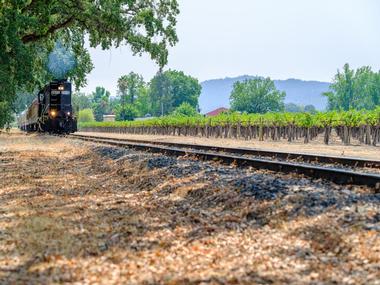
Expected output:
{"points": [[216, 92]]}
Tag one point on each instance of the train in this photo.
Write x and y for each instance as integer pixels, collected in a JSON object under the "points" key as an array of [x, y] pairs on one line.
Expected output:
{"points": [[51, 111]]}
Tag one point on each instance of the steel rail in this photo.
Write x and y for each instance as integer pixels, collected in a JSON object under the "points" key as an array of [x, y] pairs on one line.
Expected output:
{"points": [[316, 158], [338, 176]]}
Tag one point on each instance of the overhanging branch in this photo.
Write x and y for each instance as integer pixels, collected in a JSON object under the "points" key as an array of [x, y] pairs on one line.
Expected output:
{"points": [[35, 37]]}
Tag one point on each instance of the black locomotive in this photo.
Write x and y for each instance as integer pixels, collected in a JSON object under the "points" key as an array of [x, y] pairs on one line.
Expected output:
{"points": [[51, 111]]}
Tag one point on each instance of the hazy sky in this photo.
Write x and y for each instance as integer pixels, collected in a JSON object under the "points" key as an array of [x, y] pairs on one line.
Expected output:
{"points": [[305, 39]]}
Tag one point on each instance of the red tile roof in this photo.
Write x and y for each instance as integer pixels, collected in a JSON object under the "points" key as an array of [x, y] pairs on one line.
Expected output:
{"points": [[216, 112]]}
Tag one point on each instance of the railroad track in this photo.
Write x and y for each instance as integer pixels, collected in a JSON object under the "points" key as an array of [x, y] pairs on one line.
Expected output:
{"points": [[305, 164]]}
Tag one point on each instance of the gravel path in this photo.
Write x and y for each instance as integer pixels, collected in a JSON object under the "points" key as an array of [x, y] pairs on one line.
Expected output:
{"points": [[75, 212]]}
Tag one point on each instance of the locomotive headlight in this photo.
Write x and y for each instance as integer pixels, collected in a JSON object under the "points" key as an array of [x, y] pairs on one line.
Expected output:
{"points": [[53, 113], [68, 113], [61, 87]]}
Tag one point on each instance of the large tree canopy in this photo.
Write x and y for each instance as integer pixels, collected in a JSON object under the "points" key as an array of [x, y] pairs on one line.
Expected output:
{"points": [[170, 89], [257, 95], [100, 103], [29, 30], [354, 89], [129, 87]]}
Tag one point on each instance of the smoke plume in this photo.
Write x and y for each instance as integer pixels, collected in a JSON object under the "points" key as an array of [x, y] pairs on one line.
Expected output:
{"points": [[61, 60]]}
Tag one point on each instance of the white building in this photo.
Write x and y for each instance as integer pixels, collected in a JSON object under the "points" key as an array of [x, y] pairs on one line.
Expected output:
{"points": [[109, 118]]}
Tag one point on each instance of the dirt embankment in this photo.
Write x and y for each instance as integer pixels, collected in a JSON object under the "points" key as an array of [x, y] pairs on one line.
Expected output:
{"points": [[84, 213]]}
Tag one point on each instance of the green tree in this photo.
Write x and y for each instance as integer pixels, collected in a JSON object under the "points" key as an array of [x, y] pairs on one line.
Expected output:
{"points": [[30, 29], [159, 94], [354, 89], [375, 89], [257, 95], [186, 110], [5, 114], [114, 103], [170, 89], [129, 87], [143, 104], [23, 101], [184, 88], [86, 115], [126, 112], [293, 108], [80, 101], [310, 109], [100, 104]]}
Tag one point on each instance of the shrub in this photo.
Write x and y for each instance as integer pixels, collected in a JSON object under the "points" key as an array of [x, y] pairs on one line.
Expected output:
{"points": [[85, 116], [126, 112], [185, 109]]}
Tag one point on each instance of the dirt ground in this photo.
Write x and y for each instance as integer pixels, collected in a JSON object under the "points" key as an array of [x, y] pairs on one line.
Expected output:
{"points": [[335, 148], [73, 212]]}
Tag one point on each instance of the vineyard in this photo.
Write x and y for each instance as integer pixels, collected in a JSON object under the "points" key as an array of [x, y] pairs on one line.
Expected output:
{"points": [[359, 126]]}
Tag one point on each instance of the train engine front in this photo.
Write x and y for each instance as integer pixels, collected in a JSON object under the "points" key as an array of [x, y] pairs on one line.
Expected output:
{"points": [[55, 108]]}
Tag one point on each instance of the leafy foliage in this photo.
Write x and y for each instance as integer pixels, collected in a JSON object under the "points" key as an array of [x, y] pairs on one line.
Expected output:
{"points": [[293, 108], [310, 109], [320, 119], [143, 104], [352, 89], [22, 101], [100, 103], [126, 112], [276, 125], [165, 92], [185, 109], [170, 89], [159, 94], [30, 29], [85, 116], [129, 87], [257, 95]]}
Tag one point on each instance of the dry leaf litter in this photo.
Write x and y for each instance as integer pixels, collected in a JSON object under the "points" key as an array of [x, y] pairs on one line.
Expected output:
{"points": [[81, 213]]}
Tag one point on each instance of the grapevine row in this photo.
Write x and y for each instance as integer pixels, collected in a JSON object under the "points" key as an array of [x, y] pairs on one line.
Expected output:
{"points": [[363, 126]]}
